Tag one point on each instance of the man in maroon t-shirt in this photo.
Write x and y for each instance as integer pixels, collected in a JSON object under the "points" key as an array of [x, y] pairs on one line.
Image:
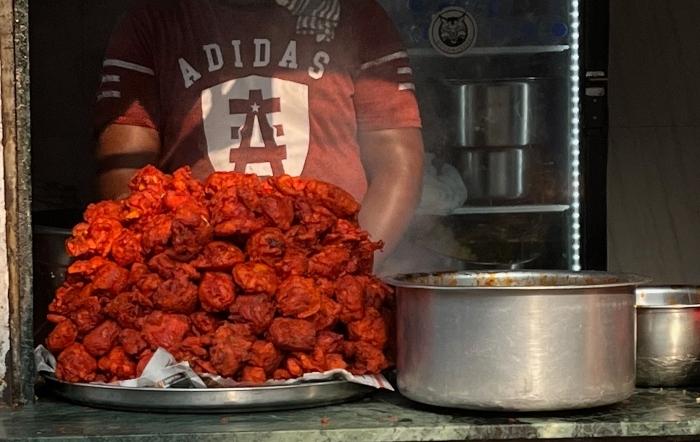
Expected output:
{"points": [[318, 88]]}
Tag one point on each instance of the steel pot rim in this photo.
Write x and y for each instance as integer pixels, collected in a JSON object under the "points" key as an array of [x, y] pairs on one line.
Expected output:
{"points": [[622, 280], [668, 289], [507, 80]]}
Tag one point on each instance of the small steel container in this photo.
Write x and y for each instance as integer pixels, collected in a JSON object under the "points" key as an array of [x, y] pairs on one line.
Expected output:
{"points": [[505, 112], [516, 340], [497, 174], [668, 336]]}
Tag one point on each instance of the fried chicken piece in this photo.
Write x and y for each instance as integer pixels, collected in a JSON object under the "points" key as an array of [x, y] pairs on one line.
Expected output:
{"points": [[377, 294], [313, 215], [204, 323], [143, 204], [329, 342], [149, 178], [229, 350], [126, 309], [335, 361], [168, 268], [253, 375], [293, 367], [216, 292], [266, 245], [298, 297], [255, 277], [190, 232], [103, 232], [281, 374], [80, 244], [147, 286], [327, 315], [86, 269], [333, 197], [329, 262], [310, 363], [263, 354], [87, 314], [345, 231], [110, 278], [177, 295], [218, 256], [287, 185], [126, 249], [240, 221], [294, 262], [75, 364], [220, 181], [62, 336], [118, 364], [164, 329], [192, 348], [184, 183], [103, 209], [101, 338], [156, 232], [292, 334], [256, 310], [203, 367], [368, 359], [67, 298], [371, 329], [132, 341], [279, 210], [349, 293]]}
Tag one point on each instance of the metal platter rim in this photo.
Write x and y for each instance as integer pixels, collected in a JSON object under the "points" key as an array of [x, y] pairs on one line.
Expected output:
{"points": [[334, 382]]}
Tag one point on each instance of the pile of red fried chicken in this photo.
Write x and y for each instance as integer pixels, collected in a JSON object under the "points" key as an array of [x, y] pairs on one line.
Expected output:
{"points": [[248, 278]]}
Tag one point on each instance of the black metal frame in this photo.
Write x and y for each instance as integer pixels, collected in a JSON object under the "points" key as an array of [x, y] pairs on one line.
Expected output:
{"points": [[594, 133]]}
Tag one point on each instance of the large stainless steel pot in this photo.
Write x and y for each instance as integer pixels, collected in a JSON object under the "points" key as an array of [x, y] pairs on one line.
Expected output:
{"points": [[506, 112], [519, 340], [668, 336]]}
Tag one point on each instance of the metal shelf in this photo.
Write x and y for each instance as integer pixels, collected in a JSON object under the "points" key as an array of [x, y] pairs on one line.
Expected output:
{"points": [[531, 208], [492, 50]]}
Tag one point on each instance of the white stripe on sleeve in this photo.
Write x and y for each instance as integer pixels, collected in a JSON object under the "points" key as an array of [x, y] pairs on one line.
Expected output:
{"points": [[109, 94], [128, 65], [385, 59], [407, 86], [404, 70], [110, 79]]}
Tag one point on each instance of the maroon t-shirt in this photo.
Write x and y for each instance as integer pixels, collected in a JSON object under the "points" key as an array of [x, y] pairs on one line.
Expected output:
{"points": [[232, 87]]}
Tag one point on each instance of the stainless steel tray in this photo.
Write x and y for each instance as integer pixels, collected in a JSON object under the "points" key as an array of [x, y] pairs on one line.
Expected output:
{"points": [[190, 400]]}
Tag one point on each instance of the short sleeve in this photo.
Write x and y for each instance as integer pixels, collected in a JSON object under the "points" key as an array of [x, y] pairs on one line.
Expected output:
{"points": [[128, 90], [384, 86]]}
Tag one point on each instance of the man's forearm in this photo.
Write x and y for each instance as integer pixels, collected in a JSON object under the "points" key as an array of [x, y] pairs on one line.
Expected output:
{"points": [[388, 207]]}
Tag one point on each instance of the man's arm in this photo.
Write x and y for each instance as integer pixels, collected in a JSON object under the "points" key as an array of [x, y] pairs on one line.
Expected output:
{"points": [[393, 162], [121, 151]]}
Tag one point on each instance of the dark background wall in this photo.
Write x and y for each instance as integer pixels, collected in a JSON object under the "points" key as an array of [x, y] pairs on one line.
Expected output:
{"points": [[654, 183], [67, 40]]}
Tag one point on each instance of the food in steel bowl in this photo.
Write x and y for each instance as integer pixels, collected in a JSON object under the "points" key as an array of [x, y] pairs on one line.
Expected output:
{"points": [[247, 278]]}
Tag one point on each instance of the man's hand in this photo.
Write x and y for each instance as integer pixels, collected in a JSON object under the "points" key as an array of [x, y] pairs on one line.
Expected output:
{"points": [[393, 162], [121, 151]]}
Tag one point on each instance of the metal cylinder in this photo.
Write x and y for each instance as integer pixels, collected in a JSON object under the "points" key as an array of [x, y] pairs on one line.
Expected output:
{"points": [[668, 336], [520, 340]]}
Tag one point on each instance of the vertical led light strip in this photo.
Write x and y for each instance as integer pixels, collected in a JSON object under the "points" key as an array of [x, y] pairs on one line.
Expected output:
{"points": [[575, 145]]}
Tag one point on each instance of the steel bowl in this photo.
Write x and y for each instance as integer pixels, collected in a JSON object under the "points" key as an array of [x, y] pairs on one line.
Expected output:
{"points": [[668, 336], [516, 340]]}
